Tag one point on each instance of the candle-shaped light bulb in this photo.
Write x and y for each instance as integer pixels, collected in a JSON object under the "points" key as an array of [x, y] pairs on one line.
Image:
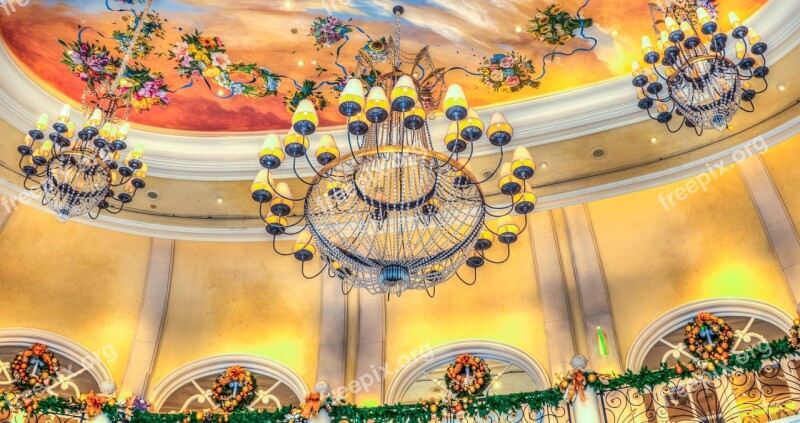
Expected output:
{"points": [[63, 117], [114, 135], [702, 16], [70, 129], [123, 131], [671, 24], [95, 118], [734, 20], [686, 27], [647, 45], [138, 152], [754, 37], [41, 123], [636, 68], [105, 131]]}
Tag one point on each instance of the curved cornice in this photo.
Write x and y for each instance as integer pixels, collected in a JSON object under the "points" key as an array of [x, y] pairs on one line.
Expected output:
{"points": [[230, 156]]}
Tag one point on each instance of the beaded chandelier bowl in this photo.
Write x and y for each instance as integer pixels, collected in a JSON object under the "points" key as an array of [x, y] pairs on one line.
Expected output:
{"points": [[394, 214], [704, 87], [77, 173]]}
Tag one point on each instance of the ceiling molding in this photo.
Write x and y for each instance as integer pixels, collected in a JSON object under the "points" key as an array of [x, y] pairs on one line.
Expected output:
{"points": [[232, 156], [256, 233]]}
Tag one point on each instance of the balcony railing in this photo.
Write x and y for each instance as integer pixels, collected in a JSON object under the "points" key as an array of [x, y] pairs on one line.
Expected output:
{"points": [[771, 394]]}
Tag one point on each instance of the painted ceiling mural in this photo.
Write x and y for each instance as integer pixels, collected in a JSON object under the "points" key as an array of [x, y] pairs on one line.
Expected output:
{"points": [[275, 35]]}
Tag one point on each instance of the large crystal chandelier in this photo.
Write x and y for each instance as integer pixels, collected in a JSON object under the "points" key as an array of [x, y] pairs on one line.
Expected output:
{"points": [[394, 214], [78, 171], [704, 87]]}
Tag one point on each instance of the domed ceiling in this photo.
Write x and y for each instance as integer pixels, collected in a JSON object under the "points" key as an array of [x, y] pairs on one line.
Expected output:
{"points": [[274, 35]]}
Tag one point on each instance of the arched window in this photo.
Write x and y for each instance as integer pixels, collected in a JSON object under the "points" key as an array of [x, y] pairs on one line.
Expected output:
{"points": [[769, 394], [423, 377], [81, 369], [189, 387]]}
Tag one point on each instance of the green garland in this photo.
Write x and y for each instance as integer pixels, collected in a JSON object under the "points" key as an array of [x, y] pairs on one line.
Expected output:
{"points": [[749, 361]]}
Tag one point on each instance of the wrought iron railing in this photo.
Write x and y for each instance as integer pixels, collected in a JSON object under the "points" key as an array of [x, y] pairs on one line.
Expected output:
{"points": [[773, 393]]}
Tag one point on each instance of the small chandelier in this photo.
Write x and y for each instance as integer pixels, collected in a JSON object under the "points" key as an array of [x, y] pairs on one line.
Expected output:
{"points": [[704, 88], [81, 173], [394, 214]]}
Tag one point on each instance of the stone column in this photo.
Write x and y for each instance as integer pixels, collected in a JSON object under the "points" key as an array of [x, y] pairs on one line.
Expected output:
{"points": [[333, 333], [552, 291], [592, 288], [151, 319], [775, 219]]}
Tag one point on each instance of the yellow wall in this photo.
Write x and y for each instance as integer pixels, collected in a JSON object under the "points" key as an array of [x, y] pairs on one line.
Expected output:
{"points": [[710, 245], [75, 280], [781, 161], [503, 306], [230, 298]]}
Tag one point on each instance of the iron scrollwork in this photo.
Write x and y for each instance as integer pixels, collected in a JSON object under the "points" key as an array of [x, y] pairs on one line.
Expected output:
{"points": [[769, 394]]}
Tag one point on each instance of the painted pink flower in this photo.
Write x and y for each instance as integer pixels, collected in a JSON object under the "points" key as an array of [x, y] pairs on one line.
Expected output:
{"points": [[507, 62], [187, 61], [493, 67], [512, 81], [220, 59], [180, 49], [496, 75]]}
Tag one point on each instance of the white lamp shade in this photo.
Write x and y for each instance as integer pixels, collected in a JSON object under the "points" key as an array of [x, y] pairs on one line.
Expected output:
{"points": [[455, 92], [354, 88], [521, 153], [272, 141], [283, 190], [327, 141], [377, 94]]}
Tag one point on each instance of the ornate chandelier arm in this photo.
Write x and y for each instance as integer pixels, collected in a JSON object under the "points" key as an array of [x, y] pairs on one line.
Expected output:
{"points": [[299, 178], [499, 164], [28, 178], [655, 97], [275, 247], [269, 183], [350, 145], [308, 159], [303, 270], [508, 255], [474, 277]]}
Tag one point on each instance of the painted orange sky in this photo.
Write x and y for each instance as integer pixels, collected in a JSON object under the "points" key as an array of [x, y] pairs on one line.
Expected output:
{"points": [[272, 33]]}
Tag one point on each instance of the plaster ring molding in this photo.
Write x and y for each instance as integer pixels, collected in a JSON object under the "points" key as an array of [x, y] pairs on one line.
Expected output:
{"points": [[256, 233], [231, 156], [445, 354], [214, 365], [62, 346], [676, 319]]}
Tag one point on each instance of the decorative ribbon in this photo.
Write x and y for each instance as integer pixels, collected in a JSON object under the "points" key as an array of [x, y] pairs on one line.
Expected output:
{"points": [[578, 384], [310, 407], [94, 404]]}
